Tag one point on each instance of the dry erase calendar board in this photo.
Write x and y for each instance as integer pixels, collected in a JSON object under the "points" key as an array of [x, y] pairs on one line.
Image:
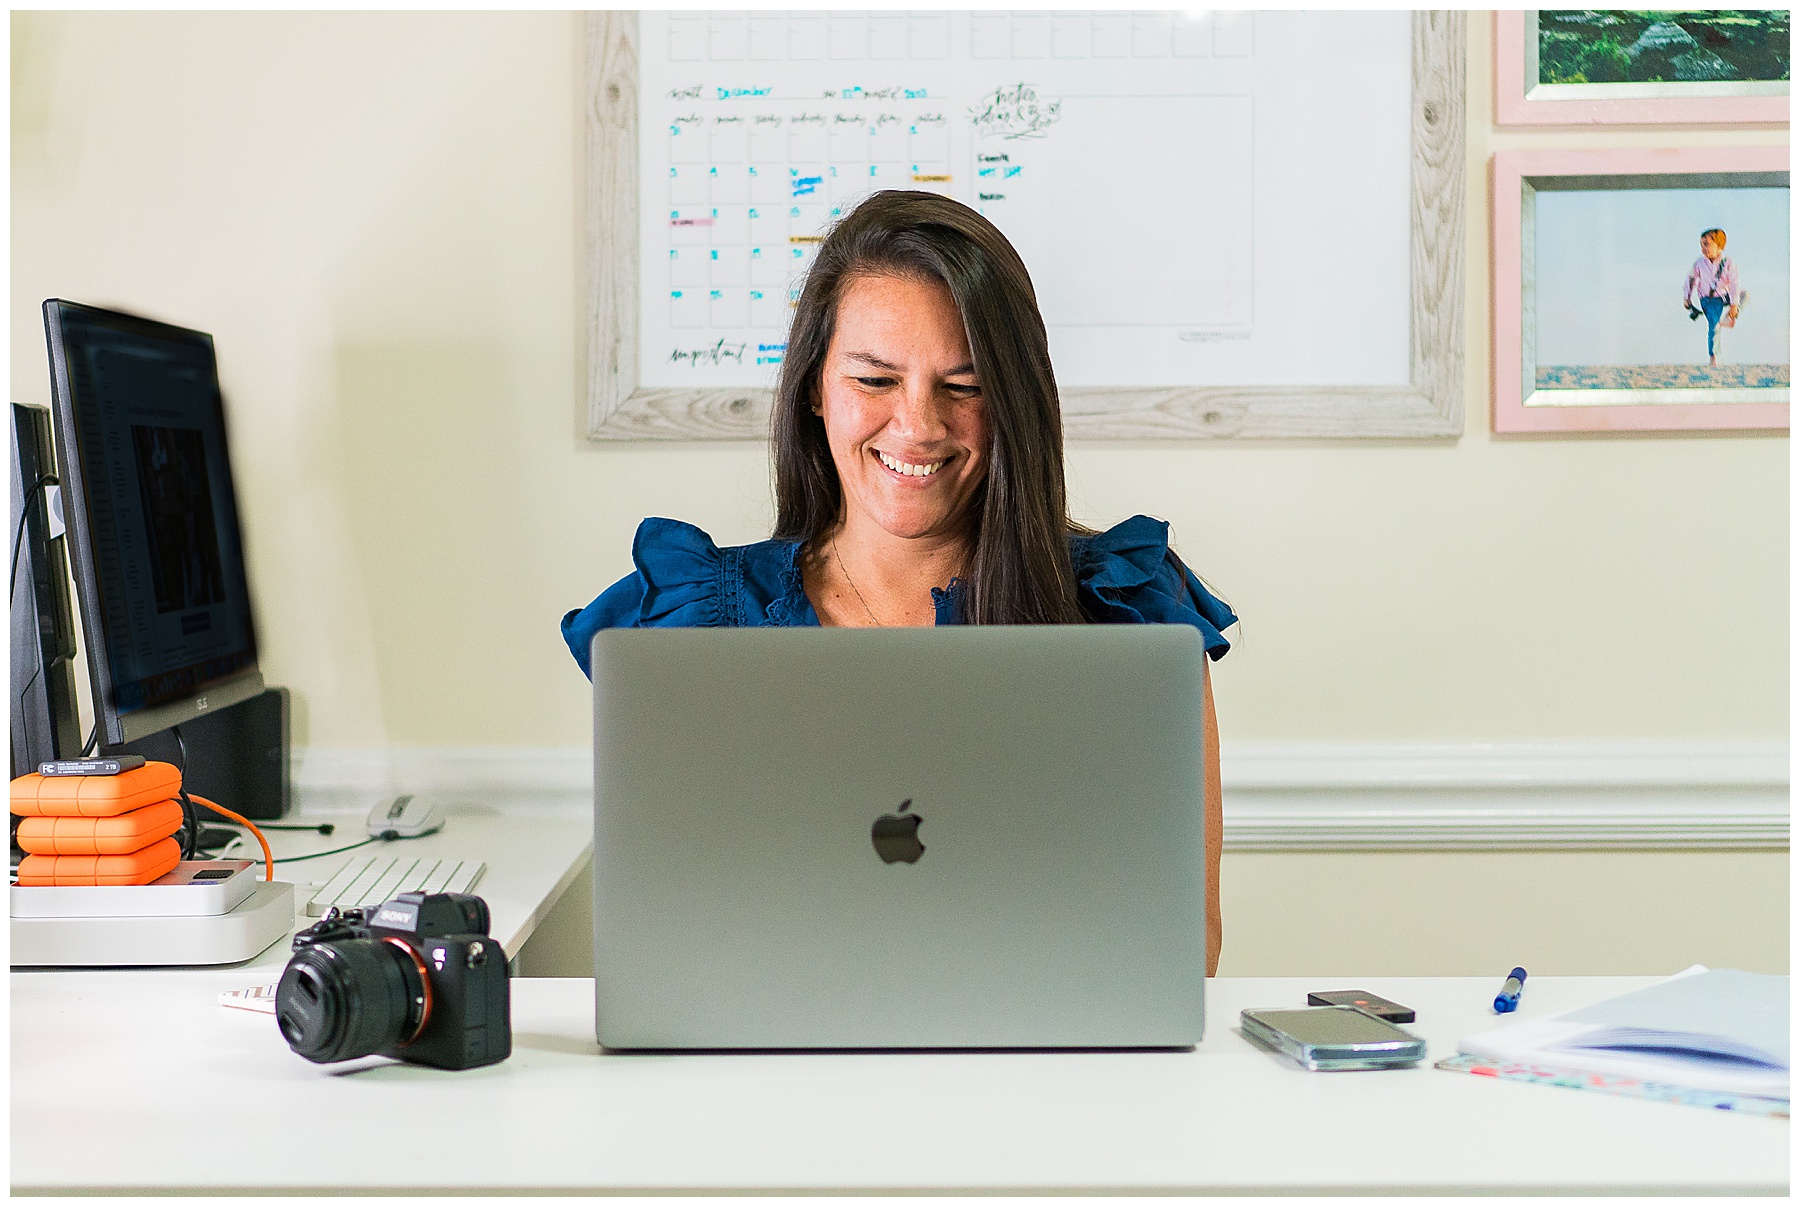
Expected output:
{"points": [[1221, 212]]}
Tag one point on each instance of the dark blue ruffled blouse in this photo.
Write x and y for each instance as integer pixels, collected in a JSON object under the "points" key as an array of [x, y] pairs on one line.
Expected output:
{"points": [[1126, 574]]}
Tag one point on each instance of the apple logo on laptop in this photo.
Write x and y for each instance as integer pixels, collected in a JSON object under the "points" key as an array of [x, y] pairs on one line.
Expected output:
{"points": [[896, 835]]}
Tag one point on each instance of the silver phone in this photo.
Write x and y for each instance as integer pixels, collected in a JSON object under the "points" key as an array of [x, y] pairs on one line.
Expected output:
{"points": [[1326, 1038]]}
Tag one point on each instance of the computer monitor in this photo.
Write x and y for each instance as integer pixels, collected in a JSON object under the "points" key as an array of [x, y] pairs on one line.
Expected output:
{"points": [[152, 520]]}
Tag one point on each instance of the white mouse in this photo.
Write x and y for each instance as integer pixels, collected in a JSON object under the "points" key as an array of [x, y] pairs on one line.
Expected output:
{"points": [[406, 816]]}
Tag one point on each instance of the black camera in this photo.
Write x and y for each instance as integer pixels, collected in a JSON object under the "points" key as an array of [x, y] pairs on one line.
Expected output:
{"points": [[416, 978]]}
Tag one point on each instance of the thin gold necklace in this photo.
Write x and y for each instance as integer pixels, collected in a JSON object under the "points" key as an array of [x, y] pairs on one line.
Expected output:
{"points": [[859, 595]]}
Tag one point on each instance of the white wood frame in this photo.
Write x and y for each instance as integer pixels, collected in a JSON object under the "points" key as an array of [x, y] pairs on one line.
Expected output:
{"points": [[617, 407]]}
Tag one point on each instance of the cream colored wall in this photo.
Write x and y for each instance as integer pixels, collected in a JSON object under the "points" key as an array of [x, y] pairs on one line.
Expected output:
{"points": [[376, 214]]}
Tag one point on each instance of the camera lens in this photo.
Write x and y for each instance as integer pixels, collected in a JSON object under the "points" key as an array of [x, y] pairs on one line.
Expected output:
{"points": [[349, 998]]}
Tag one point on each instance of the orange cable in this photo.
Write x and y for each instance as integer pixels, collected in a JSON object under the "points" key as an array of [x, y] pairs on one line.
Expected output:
{"points": [[268, 857]]}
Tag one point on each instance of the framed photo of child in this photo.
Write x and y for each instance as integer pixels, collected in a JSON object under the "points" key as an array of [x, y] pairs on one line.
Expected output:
{"points": [[1641, 289], [1609, 67]]}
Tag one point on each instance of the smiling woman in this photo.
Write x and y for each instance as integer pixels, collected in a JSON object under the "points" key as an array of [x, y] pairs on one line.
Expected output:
{"points": [[906, 428], [918, 460], [917, 428]]}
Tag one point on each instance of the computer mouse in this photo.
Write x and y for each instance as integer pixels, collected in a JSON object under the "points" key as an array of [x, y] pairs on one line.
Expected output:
{"points": [[406, 817]]}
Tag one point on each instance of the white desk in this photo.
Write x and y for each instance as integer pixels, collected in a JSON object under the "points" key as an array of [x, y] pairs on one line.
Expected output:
{"points": [[139, 1081]]}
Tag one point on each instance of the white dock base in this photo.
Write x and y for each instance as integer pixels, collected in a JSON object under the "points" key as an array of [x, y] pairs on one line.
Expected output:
{"points": [[265, 917]]}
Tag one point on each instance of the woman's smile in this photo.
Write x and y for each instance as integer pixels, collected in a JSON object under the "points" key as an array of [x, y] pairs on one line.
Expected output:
{"points": [[917, 467]]}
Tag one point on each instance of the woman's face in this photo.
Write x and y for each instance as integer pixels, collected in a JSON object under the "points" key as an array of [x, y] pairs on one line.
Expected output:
{"points": [[902, 406], [1708, 248]]}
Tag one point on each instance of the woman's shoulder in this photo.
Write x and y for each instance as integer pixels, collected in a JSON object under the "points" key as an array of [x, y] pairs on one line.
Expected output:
{"points": [[689, 579], [1129, 575], [685, 579]]}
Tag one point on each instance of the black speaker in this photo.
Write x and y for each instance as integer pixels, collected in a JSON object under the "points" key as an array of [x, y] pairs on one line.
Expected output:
{"points": [[45, 724], [237, 756]]}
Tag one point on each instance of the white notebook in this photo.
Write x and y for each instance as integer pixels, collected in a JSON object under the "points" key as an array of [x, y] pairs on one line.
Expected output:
{"points": [[1721, 1030]]}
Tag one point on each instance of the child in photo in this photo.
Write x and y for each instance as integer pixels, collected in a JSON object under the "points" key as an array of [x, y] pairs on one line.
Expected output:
{"points": [[1714, 280]]}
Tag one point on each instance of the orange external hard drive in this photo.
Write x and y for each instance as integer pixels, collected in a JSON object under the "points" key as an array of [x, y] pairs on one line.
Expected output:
{"points": [[37, 795], [139, 867], [119, 835]]}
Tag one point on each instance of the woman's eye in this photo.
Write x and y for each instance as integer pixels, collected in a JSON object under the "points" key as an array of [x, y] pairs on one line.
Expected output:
{"points": [[875, 383], [962, 391]]}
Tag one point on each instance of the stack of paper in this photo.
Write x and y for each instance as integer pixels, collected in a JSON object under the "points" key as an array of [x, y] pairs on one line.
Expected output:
{"points": [[1721, 1035]]}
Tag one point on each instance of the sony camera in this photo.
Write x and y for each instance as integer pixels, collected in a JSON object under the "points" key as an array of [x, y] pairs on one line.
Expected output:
{"points": [[416, 978]]}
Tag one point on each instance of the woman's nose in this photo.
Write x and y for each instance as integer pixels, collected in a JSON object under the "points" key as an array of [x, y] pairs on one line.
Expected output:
{"points": [[919, 415]]}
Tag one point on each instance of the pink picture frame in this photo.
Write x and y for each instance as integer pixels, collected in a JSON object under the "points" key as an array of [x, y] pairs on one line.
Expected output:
{"points": [[1519, 405], [1515, 104]]}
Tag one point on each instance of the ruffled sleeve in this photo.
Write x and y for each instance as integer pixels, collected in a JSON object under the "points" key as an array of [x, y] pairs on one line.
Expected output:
{"points": [[678, 583], [1128, 575]]}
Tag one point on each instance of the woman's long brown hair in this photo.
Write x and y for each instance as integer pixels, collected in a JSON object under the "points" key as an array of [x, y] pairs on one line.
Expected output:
{"points": [[1019, 570]]}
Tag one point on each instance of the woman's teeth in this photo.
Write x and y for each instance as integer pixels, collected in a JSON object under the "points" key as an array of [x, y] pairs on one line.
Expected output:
{"points": [[909, 469]]}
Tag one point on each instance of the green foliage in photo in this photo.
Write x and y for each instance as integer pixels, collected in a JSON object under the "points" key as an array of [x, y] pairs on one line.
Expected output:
{"points": [[1608, 46]]}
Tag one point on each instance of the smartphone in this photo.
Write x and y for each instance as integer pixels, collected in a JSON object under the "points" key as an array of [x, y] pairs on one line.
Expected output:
{"points": [[1325, 1038]]}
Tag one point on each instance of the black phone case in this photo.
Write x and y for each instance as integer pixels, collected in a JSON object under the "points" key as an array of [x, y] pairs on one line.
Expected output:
{"points": [[1362, 999]]}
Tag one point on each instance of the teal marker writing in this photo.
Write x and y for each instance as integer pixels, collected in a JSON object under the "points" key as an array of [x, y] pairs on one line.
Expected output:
{"points": [[1508, 999]]}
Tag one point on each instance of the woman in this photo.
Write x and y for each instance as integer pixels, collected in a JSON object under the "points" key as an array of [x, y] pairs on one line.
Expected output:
{"points": [[1714, 279], [918, 468]]}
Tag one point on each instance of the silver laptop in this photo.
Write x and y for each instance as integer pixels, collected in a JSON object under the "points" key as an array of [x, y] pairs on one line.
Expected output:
{"points": [[899, 838]]}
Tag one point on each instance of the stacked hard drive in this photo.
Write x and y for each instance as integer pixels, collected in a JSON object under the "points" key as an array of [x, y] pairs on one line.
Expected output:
{"points": [[98, 829]]}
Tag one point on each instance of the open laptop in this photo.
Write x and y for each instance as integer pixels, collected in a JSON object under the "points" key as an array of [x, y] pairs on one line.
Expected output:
{"points": [[899, 838]]}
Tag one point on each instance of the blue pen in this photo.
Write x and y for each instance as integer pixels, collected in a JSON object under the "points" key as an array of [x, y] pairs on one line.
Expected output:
{"points": [[1508, 999]]}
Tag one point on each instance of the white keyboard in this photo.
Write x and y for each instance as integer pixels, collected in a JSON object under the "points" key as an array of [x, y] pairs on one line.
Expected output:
{"points": [[367, 880]]}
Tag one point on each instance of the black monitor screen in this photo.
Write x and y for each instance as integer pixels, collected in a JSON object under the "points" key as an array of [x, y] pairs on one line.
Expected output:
{"points": [[162, 543]]}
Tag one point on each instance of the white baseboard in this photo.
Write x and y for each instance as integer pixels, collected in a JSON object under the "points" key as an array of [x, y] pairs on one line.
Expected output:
{"points": [[1279, 796]]}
